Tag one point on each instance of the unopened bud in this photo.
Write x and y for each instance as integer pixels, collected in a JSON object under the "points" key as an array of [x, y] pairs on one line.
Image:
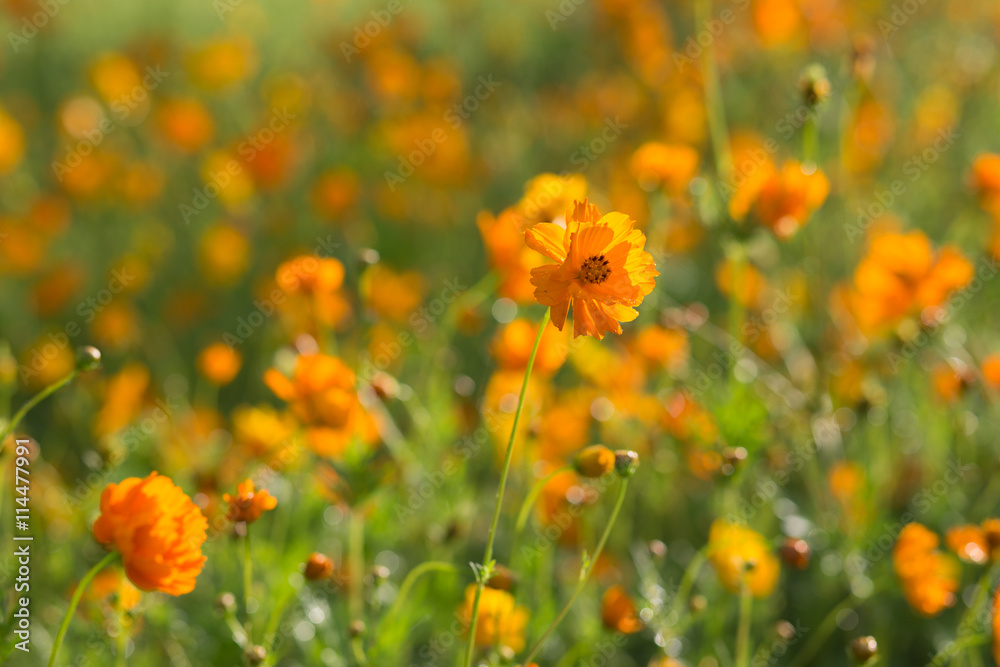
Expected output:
{"points": [[594, 461], [626, 463], [88, 358]]}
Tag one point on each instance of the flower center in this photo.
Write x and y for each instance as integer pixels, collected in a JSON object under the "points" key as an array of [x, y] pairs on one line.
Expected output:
{"points": [[595, 269]]}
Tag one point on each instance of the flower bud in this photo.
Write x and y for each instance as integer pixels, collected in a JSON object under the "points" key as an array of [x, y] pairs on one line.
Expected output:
{"points": [[594, 461], [88, 358], [318, 566], [626, 462], [796, 553], [256, 655], [356, 628], [814, 85], [503, 579], [863, 649], [226, 603]]}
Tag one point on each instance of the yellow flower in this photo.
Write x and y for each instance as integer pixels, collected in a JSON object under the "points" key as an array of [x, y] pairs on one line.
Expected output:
{"points": [[500, 620], [601, 270], [741, 555]]}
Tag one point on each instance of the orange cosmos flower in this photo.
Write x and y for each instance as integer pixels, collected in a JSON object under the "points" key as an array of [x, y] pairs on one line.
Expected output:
{"points": [[248, 504], [618, 611], [741, 555], [321, 394], [786, 199], [669, 166], [991, 370], [500, 620], [929, 577], [157, 530], [985, 179], [601, 270], [218, 363], [902, 275]]}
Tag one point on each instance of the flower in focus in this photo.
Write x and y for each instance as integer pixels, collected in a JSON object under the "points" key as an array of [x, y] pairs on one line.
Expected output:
{"points": [[501, 621], [218, 363], [248, 504], [928, 576], [157, 530], [321, 394], [742, 556], [602, 270], [618, 611]]}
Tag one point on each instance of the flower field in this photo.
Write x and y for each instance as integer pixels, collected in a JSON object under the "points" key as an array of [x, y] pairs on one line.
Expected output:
{"points": [[550, 333]]}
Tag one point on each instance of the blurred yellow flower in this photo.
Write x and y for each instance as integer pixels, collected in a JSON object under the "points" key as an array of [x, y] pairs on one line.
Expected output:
{"points": [[742, 556], [219, 363], [501, 621]]}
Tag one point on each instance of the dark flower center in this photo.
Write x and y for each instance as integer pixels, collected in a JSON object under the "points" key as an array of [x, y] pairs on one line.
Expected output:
{"points": [[595, 269]]}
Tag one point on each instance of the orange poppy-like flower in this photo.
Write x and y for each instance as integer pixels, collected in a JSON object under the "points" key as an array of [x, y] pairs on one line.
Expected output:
{"points": [[902, 275], [218, 363], [928, 576], [601, 270], [321, 394], [501, 621], [669, 166], [618, 611], [248, 504], [157, 529], [742, 556]]}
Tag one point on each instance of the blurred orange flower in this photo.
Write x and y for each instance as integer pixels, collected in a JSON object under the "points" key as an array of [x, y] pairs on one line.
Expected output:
{"points": [[665, 165], [618, 611], [501, 621], [219, 363], [602, 270], [157, 530], [742, 556], [512, 347], [929, 577], [321, 393]]}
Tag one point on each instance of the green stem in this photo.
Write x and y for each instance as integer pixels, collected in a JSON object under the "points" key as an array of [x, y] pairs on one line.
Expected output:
{"points": [[488, 555], [75, 600], [810, 138], [821, 634], [585, 575], [713, 100], [411, 580], [356, 555], [955, 648], [529, 501], [32, 402], [743, 631], [247, 585]]}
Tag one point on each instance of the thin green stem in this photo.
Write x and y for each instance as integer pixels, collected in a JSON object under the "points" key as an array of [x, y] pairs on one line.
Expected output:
{"points": [[32, 402], [488, 555], [810, 138], [713, 100], [75, 600], [743, 630], [247, 586], [411, 580], [585, 575], [823, 630], [356, 555], [529, 501]]}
